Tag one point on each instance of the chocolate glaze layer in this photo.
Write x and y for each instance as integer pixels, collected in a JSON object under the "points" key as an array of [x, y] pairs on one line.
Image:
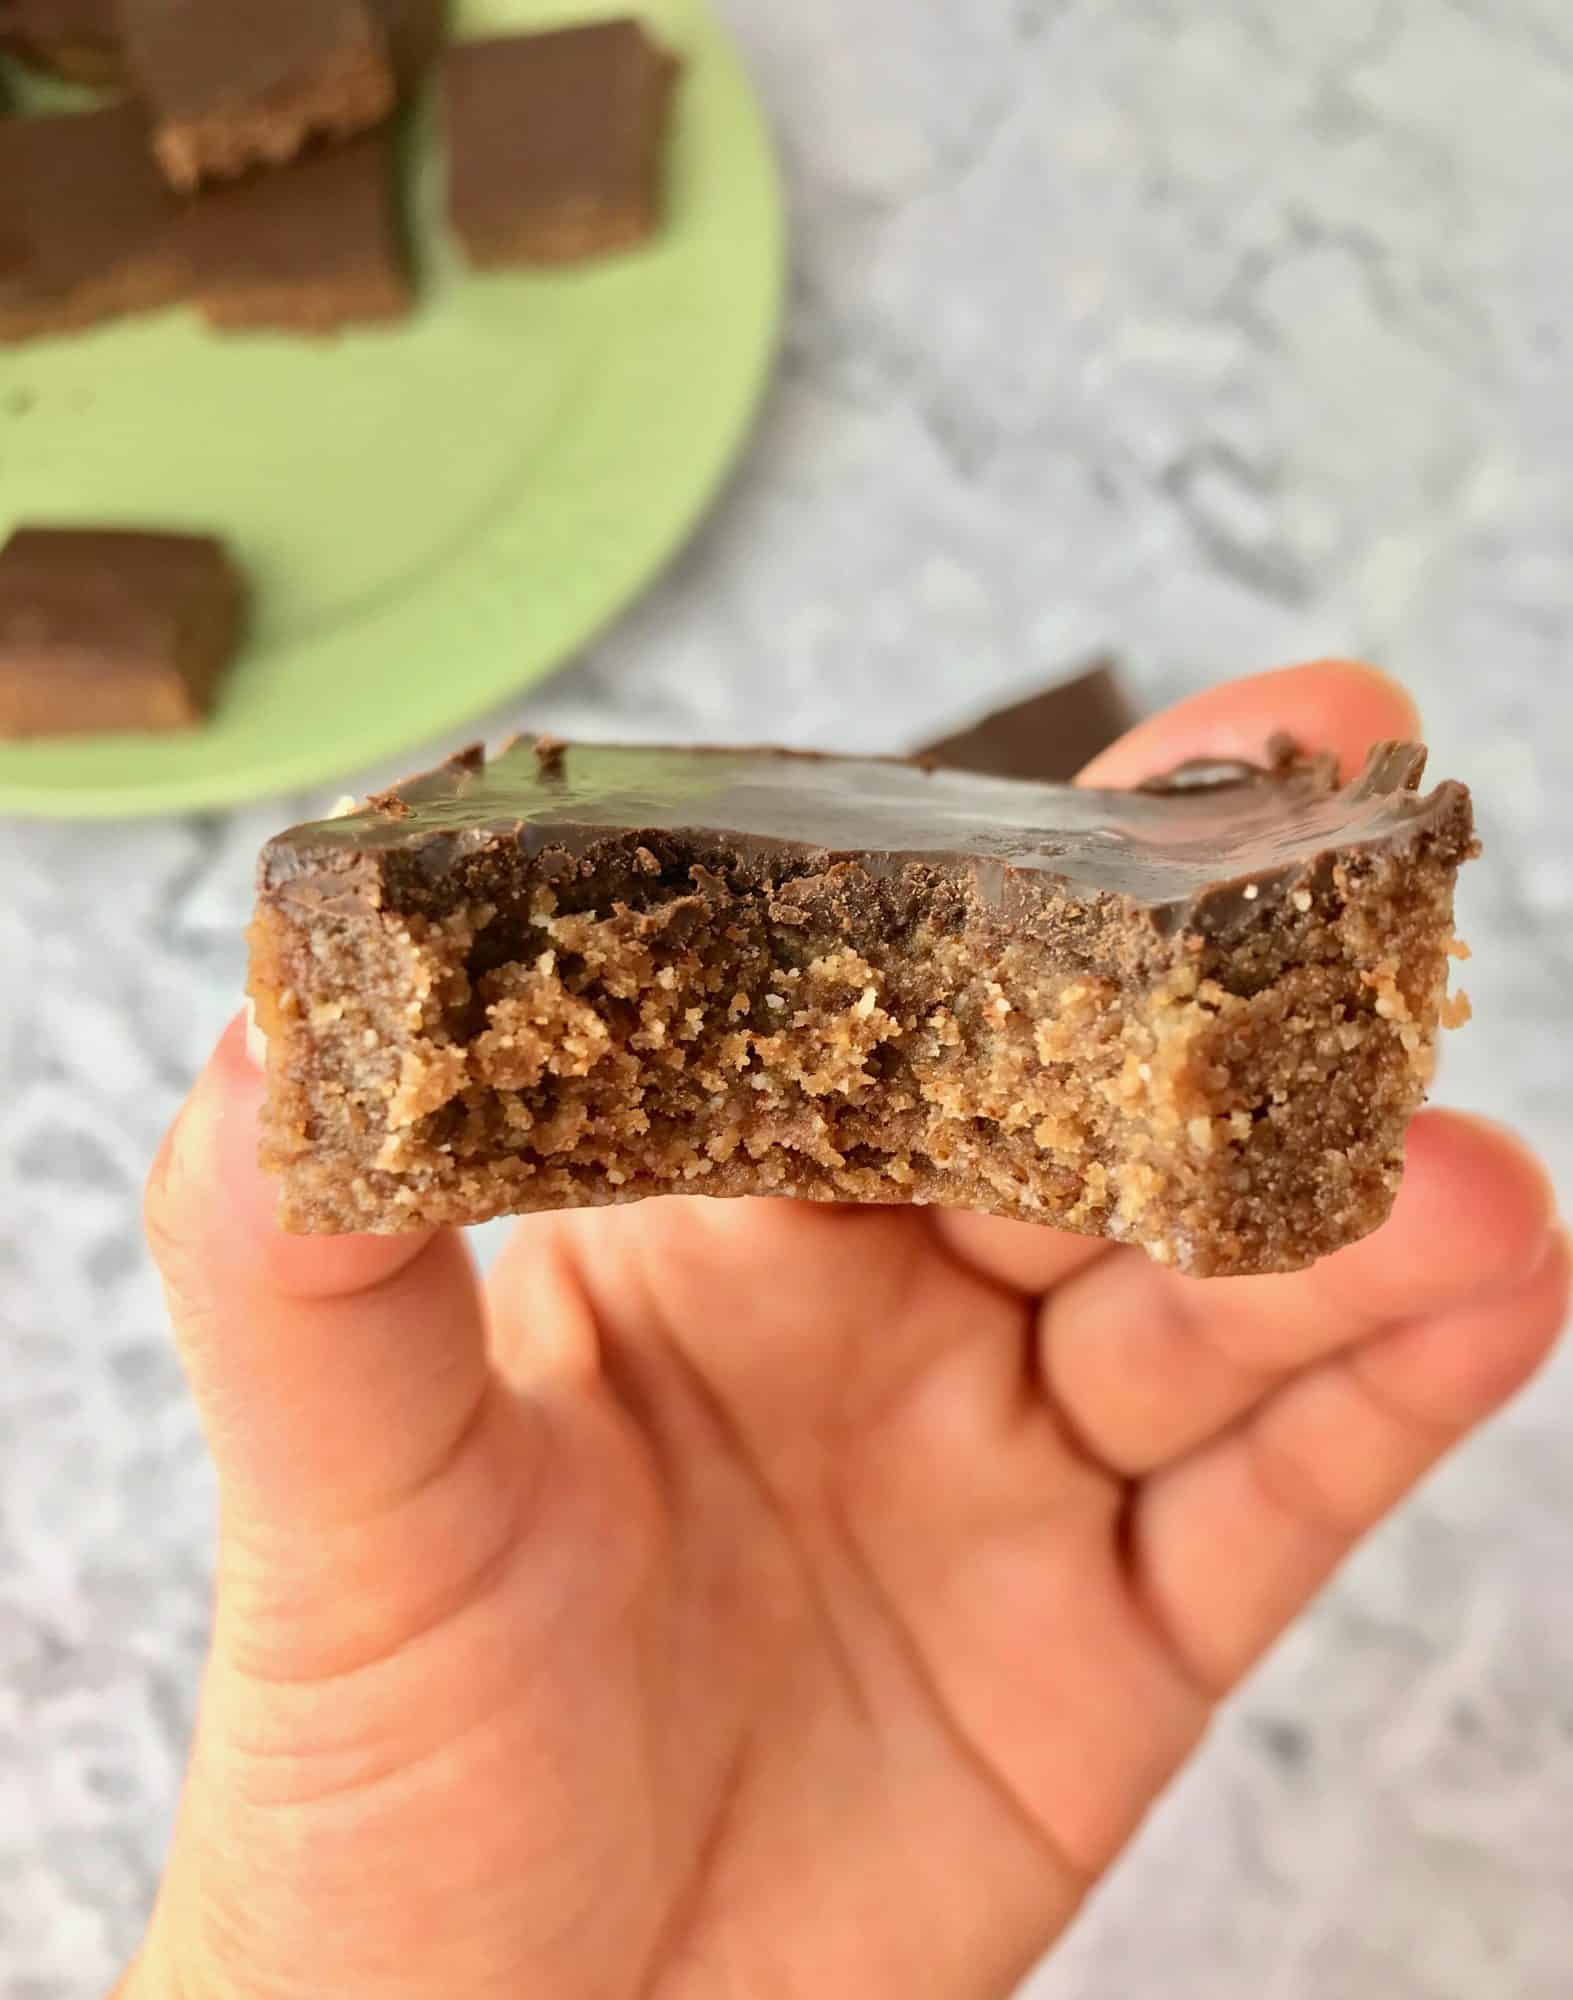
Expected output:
{"points": [[1200, 849]]}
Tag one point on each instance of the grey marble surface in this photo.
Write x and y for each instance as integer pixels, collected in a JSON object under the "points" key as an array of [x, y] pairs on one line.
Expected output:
{"points": [[1224, 334]]}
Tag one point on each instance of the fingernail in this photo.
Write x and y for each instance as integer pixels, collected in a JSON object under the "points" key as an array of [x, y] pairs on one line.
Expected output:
{"points": [[256, 1041]]}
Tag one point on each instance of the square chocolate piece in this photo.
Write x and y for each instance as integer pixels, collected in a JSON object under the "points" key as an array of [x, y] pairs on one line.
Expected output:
{"points": [[1051, 735], [1196, 1016], [87, 228], [309, 248], [112, 629], [555, 142], [78, 39], [234, 84]]}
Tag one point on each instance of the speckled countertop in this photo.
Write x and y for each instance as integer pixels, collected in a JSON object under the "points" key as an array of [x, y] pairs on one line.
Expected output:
{"points": [[1223, 334]]}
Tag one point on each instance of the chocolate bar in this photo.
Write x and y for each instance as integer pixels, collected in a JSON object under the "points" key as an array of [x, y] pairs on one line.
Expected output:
{"points": [[87, 228], [233, 84], [555, 142], [1053, 734], [310, 247], [106, 629], [1196, 1016]]}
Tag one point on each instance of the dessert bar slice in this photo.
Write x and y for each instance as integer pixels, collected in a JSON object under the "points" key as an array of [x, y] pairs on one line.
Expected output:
{"points": [[555, 142], [234, 83], [309, 247], [87, 228], [112, 629], [1195, 1017]]}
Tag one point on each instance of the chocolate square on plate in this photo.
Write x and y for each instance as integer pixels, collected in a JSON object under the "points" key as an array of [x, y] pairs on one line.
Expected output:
{"points": [[233, 84], [106, 629], [309, 247], [555, 142], [87, 228]]}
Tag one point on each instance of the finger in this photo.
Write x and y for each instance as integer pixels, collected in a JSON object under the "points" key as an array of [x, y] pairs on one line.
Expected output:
{"points": [[1227, 1547], [333, 1374], [1023, 1256], [1336, 705], [543, 1325], [1146, 1364]]}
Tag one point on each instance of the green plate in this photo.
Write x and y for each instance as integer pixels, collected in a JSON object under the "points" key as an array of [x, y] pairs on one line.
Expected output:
{"points": [[434, 516]]}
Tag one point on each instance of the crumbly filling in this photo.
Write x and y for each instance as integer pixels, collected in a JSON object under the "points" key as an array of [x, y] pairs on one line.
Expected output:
{"points": [[714, 1042]]}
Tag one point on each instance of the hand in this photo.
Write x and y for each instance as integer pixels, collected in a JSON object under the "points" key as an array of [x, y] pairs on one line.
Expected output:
{"points": [[759, 1600]]}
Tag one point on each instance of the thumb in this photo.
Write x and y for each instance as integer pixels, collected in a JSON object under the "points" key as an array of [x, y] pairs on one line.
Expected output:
{"points": [[335, 1376]]}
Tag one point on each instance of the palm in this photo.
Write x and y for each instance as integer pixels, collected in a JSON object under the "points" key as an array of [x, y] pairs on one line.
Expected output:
{"points": [[852, 1524]]}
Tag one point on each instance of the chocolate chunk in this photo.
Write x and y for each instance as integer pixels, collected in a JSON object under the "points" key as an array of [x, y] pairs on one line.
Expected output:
{"points": [[77, 39], [233, 84], [1195, 1019], [309, 247], [1051, 735], [109, 629], [87, 228], [555, 142]]}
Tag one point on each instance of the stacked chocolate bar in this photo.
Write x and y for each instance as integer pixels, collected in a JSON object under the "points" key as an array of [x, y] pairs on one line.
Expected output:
{"points": [[251, 168]]}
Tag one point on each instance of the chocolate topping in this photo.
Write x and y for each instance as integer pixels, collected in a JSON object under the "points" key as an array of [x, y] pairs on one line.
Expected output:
{"points": [[1192, 854], [195, 56]]}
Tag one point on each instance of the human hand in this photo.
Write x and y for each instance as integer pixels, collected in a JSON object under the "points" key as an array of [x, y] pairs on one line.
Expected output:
{"points": [[754, 1599]]}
